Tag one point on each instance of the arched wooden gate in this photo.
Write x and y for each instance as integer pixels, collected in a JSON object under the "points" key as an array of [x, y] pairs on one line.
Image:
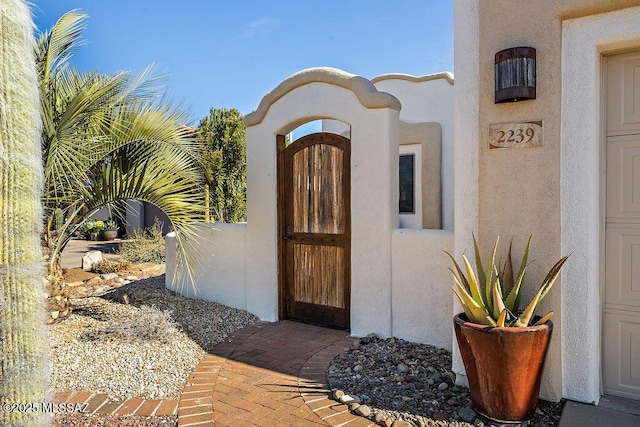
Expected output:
{"points": [[314, 226]]}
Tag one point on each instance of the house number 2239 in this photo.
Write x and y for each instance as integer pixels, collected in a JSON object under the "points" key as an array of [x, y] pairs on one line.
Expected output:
{"points": [[515, 135]]}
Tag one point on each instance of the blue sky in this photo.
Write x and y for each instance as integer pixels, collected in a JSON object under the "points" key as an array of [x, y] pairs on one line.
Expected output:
{"points": [[231, 53]]}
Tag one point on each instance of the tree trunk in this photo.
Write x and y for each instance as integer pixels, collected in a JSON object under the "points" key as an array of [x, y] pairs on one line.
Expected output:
{"points": [[24, 372], [207, 196]]}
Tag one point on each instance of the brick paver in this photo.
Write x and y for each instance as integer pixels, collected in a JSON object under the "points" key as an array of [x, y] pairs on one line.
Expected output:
{"points": [[270, 374], [101, 404]]}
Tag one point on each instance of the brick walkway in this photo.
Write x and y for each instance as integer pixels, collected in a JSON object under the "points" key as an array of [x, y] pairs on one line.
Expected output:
{"points": [[269, 374], [100, 404]]}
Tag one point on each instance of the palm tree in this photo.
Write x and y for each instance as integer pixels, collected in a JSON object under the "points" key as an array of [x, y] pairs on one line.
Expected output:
{"points": [[106, 139]]}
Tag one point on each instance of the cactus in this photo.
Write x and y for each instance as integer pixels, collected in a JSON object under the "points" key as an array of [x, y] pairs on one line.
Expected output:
{"points": [[23, 342]]}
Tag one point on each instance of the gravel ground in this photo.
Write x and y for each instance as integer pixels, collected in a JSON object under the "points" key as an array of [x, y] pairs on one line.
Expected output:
{"points": [[403, 381], [80, 420], [139, 340]]}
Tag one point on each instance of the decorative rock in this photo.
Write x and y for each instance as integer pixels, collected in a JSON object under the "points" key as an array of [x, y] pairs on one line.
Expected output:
{"points": [[94, 281], [132, 278], [337, 394], [440, 416], [425, 395], [345, 399], [353, 406], [356, 399], [120, 280], [91, 258], [363, 411], [402, 368], [357, 368], [401, 423], [109, 276], [468, 415]]}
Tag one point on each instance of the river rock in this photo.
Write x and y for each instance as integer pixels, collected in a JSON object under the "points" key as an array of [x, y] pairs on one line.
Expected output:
{"points": [[363, 411], [468, 415]]}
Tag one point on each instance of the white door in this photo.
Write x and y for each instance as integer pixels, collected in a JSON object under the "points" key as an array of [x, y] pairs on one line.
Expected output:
{"points": [[621, 327]]}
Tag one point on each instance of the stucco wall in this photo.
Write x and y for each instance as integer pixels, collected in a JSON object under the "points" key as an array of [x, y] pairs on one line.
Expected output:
{"points": [[334, 94], [519, 191], [421, 302], [428, 99], [222, 279]]}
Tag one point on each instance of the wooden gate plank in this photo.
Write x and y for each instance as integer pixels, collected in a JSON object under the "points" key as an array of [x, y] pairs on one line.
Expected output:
{"points": [[314, 224]]}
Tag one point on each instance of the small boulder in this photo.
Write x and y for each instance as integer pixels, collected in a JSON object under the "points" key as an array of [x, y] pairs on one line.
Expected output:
{"points": [[91, 258], [337, 394], [109, 276], [468, 415], [346, 399], [363, 411], [380, 417]]}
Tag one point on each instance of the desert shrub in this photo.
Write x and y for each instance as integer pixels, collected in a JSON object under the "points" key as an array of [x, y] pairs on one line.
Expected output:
{"points": [[106, 266], [144, 245]]}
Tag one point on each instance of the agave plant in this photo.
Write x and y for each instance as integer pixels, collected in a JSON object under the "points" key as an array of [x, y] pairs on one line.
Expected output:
{"points": [[493, 298]]}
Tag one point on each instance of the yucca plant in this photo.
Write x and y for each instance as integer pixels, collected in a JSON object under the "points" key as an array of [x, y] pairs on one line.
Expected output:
{"points": [[493, 297]]}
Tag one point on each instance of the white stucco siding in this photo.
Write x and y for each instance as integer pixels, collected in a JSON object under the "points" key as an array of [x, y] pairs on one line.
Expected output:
{"points": [[428, 99], [584, 40], [421, 296], [261, 244], [374, 199], [467, 134], [223, 276], [374, 215]]}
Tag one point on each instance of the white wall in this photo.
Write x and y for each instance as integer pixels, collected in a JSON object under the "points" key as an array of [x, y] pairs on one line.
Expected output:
{"points": [[333, 94], [467, 140], [428, 99], [583, 42], [421, 284], [222, 279]]}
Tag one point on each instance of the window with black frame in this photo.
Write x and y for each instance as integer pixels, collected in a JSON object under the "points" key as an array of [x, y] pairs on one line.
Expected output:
{"points": [[407, 184]]}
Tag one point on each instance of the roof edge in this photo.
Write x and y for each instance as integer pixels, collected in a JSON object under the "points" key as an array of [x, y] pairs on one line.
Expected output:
{"points": [[363, 89], [448, 76]]}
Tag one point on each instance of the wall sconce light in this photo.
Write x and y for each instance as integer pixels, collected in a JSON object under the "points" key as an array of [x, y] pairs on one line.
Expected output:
{"points": [[515, 74]]}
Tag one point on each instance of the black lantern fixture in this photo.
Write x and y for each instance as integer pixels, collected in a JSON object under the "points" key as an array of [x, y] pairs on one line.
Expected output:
{"points": [[515, 73]]}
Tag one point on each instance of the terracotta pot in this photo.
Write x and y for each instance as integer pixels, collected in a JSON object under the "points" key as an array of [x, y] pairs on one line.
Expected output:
{"points": [[109, 234], [504, 367]]}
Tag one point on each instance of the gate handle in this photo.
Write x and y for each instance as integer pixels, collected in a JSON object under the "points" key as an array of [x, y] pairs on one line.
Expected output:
{"points": [[287, 233]]}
